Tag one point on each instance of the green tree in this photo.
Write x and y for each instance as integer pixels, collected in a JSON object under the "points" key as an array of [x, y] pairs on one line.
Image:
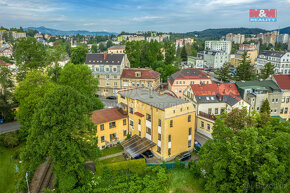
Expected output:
{"points": [[6, 59], [78, 55], [55, 55], [183, 54], [11, 140], [267, 70], [265, 108], [102, 47], [29, 54], [248, 159], [224, 74], [169, 53], [94, 48], [109, 43], [80, 78], [6, 91], [245, 71], [29, 93], [62, 130]]}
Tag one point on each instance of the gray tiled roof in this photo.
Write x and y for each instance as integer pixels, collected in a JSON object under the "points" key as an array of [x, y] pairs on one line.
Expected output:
{"points": [[152, 98], [272, 53], [213, 99], [118, 47], [111, 59], [187, 73]]}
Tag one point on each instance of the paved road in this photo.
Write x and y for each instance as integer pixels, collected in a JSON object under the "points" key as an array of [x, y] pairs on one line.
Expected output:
{"points": [[108, 102], [9, 127]]}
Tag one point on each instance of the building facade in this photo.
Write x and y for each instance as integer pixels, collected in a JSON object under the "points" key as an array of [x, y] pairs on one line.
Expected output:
{"points": [[235, 59], [140, 77], [219, 46], [111, 125], [236, 38], [167, 121], [108, 69], [211, 100], [215, 59], [283, 82], [119, 49], [195, 62], [180, 80], [281, 61], [256, 92]]}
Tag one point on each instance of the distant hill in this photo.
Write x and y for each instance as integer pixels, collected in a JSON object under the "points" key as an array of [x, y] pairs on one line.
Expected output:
{"points": [[285, 30], [218, 33], [72, 32]]}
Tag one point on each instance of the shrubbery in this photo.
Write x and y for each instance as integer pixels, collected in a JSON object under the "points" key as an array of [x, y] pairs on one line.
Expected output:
{"points": [[10, 140]]}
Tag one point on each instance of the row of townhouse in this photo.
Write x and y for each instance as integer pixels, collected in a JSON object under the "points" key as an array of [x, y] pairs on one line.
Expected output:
{"points": [[281, 61], [114, 73], [159, 122]]}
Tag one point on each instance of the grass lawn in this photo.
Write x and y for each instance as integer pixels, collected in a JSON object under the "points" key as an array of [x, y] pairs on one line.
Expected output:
{"points": [[112, 150], [181, 181], [113, 160], [7, 170]]}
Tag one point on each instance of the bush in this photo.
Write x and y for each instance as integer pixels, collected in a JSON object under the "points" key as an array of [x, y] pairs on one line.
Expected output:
{"points": [[195, 169], [11, 140]]}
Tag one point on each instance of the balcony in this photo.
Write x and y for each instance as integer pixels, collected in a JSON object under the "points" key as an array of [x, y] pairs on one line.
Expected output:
{"points": [[208, 116]]}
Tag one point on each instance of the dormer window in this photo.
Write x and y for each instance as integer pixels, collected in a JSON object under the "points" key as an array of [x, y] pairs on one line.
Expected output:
{"points": [[137, 74]]}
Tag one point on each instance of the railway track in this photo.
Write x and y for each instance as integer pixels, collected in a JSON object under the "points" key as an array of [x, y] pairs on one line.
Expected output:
{"points": [[47, 180]]}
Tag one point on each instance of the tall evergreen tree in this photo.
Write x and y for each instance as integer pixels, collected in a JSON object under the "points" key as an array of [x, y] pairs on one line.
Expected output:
{"points": [[224, 74], [265, 108], [183, 54], [267, 70], [245, 71]]}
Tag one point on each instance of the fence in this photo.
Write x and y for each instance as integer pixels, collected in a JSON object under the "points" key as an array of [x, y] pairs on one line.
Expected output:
{"points": [[169, 165]]}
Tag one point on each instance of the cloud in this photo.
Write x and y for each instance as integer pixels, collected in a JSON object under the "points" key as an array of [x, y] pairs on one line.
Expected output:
{"points": [[146, 18]]}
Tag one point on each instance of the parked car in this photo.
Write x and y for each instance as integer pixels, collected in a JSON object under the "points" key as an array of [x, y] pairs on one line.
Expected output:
{"points": [[197, 146], [111, 97], [185, 156], [148, 154], [139, 157]]}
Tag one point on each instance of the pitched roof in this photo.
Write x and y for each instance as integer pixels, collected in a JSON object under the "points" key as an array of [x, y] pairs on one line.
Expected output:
{"points": [[188, 73], [152, 98], [107, 115], [117, 47], [214, 93], [146, 73], [213, 89], [283, 81], [265, 85], [272, 53], [104, 58]]}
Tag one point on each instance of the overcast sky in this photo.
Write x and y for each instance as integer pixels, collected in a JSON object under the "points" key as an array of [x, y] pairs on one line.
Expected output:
{"points": [[139, 15]]}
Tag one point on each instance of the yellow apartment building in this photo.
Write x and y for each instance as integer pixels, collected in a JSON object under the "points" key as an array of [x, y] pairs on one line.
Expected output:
{"points": [[117, 49], [111, 125], [166, 121]]}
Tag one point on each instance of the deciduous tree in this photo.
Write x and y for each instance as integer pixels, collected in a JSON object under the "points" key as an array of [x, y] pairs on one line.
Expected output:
{"points": [[78, 55]]}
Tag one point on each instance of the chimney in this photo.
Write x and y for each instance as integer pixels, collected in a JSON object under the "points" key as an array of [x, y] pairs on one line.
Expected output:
{"points": [[105, 55]]}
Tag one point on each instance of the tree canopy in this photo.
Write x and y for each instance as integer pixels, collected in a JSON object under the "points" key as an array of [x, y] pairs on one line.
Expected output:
{"points": [[78, 55], [80, 78], [248, 159], [224, 74], [29, 93], [267, 70], [245, 71], [62, 130]]}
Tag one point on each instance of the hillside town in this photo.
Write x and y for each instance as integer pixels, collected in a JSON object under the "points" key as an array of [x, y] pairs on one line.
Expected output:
{"points": [[130, 112]]}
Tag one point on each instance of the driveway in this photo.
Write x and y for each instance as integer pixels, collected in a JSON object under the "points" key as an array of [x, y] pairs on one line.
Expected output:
{"points": [[9, 127], [108, 102]]}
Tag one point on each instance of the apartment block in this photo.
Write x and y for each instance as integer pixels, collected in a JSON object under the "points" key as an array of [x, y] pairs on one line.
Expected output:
{"points": [[257, 91], [236, 38], [219, 46], [215, 58], [117, 49], [108, 69], [140, 77], [111, 125], [283, 81], [180, 80], [281, 61], [164, 121]]}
